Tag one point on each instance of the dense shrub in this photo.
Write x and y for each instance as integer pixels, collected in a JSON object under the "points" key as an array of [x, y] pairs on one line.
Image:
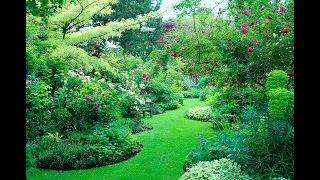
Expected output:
{"points": [[106, 144], [227, 143], [199, 113], [31, 163], [215, 170]]}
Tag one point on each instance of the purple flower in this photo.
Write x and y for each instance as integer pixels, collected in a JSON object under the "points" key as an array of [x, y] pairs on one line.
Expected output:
{"points": [[81, 122]]}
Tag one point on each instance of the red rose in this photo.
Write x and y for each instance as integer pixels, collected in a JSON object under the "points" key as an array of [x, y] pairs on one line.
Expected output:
{"points": [[269, 17], [290, 74], [182, 69], [285, 30], [260, 77]]}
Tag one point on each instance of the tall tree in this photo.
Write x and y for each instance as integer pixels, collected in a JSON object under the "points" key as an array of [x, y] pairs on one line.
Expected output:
{"points": [[138, 42]]}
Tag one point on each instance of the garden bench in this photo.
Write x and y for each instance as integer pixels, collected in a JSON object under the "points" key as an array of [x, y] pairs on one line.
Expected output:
{"points": [[146, 108]]}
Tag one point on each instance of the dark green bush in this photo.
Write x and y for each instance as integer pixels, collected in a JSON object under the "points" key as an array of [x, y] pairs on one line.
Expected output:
{"points": [[106, 144]]}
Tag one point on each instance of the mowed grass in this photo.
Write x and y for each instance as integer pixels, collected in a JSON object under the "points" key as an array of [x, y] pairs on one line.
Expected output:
{"points": [[164, 149]]}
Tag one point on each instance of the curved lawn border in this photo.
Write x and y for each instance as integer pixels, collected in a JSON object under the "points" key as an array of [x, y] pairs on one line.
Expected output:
{"points": [[164, 149]]}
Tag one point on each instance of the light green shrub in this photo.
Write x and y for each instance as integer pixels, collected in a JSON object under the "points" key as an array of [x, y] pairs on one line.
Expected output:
{"points": [[202, 113], [222, 169]]}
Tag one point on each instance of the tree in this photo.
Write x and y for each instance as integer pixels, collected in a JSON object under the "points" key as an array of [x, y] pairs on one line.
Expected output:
{"points": [[138, 42]]}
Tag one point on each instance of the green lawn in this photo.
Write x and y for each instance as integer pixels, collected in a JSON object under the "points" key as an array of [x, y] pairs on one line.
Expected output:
{"points": [[164, 150]]}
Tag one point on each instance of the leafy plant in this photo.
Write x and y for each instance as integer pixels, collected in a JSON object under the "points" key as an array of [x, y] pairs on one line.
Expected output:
{"points": [[199, 113], [217, 169]]}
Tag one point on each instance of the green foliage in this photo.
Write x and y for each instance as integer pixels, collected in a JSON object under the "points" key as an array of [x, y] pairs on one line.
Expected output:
{"points": [[138, 42], [199, 113], [276, 79], [106, 144], [31, 164], [38, 104], [218, 169], [280, 99]]}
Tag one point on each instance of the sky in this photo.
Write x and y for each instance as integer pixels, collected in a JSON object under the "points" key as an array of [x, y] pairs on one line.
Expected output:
{"points": [[206, 3]]}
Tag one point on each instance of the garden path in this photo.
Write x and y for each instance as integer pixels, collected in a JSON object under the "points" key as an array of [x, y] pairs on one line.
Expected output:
{"points": [[164, 149]]}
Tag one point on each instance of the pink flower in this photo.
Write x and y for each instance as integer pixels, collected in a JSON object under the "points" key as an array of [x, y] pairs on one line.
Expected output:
{"points": [[244, 25], [209, 81], [182, 48], [56, 99], [203, 31], [255, 42], [168, 47], [244, 30], [173, 54], [219, 9], [236, 90], [269, 17], [53, 107], [211, 60], [252, 23], [245, 12], [182, 69], [225, 84], [215, 63], [285, 30], [153, 60], [144, 76], [95, 107], [182, 79], [216, 19], [283, 9], [250, 49], [260, 77], [288, 24], [173, 29], [222, 100]]}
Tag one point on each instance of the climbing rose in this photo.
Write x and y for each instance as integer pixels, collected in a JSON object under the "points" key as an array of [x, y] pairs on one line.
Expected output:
{"points": [[182, 69], [244, 25], [244, 30], [269, 17], [250, 49], [245, 12], [260, 77], [144, 76], [285, 30], [252, 23], [290, 74]]}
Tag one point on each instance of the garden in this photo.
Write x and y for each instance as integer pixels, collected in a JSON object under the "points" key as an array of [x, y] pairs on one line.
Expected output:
{"points": [[217, 83]]}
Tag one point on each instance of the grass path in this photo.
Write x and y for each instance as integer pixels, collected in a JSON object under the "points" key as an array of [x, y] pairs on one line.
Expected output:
{"points": [[164, 149]]}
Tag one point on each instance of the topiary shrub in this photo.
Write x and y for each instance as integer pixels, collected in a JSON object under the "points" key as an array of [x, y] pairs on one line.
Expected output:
{"points": [[201, 113], [215, 170]]}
